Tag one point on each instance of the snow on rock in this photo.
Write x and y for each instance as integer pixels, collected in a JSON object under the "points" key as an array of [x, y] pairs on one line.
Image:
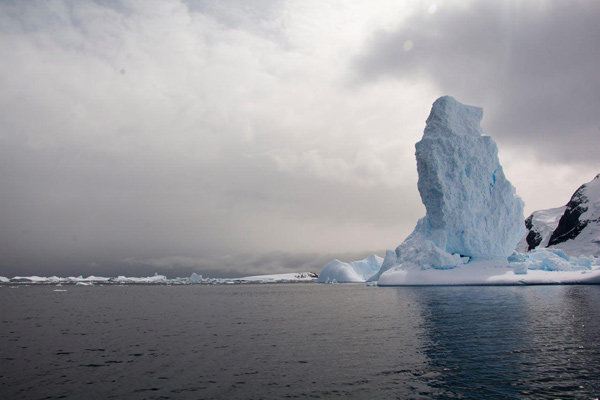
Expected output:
{"points": [[573, 228], [578, 231], [540, 225], [352, 272]]}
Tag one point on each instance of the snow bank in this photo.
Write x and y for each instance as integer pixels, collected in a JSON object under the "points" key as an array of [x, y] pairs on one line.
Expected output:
{"points": [[573, 228]]}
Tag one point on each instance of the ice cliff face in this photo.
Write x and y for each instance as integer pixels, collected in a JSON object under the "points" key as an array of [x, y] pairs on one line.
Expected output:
{"points": [[472, 209], [574, 228], [473, 212]]}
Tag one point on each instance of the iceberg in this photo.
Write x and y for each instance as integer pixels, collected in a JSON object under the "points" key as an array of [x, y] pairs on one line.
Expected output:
{"points": [[195, 278], [472, 209], [473, 220], [353, 272]]}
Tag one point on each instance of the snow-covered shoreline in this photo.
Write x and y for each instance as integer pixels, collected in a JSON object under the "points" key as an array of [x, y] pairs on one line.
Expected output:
{"points": [[472, 274]]}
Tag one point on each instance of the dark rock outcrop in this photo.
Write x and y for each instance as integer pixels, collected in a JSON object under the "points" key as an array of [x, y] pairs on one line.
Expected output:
{"points": [[571, 224], [533, 238]]}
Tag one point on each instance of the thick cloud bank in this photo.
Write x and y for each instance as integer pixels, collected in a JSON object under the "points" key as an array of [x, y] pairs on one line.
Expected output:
{"points": [[247, 137], [533, 60]]}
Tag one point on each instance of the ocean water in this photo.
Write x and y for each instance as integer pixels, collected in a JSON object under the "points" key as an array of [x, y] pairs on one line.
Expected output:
{"points": [[299, 341]]}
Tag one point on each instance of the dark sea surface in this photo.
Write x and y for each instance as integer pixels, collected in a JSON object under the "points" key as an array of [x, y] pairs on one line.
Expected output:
{"points": [[299, 341]]}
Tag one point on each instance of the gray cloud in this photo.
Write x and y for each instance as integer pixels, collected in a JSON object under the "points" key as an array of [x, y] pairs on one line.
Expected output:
{"points": [[224, 138], [220, 266], [531, 65], [170, 131]]}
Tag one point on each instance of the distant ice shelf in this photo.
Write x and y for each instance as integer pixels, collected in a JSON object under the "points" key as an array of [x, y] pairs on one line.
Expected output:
{"points": [[296, 277]]}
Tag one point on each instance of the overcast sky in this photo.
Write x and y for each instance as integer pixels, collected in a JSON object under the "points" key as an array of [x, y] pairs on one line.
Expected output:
{"points": [[241, 137]]}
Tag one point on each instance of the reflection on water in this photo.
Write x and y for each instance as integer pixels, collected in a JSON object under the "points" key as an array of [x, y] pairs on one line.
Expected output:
{"points": [[299, 341], [512, 342]]}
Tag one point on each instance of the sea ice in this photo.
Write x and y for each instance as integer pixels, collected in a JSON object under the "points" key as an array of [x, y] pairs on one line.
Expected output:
{"points": [[278, 278]]}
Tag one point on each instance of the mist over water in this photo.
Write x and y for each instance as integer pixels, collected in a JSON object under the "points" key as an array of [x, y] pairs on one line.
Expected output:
{"points": [[303, 340]]}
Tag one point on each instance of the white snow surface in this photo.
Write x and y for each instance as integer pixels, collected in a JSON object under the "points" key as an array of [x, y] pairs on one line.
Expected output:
{"points": [[586, 243], [544, 222], [588, 240]]}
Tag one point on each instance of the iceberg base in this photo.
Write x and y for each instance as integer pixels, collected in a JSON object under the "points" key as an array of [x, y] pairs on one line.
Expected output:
{"points": [[487, 273]]}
